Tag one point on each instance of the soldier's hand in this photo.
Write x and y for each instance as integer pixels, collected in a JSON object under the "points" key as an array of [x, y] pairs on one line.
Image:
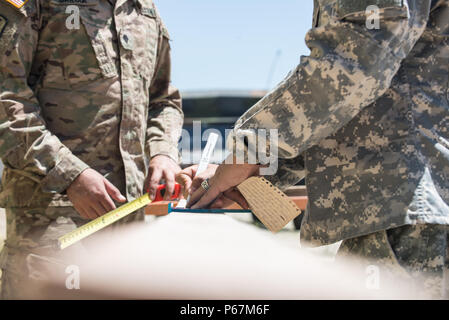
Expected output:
{"points": [[161, 167], [92, 194], [223, 183], [190, 182]]}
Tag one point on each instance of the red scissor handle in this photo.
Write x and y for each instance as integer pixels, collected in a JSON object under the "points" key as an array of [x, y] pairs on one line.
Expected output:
{"points": [[160, 193]]}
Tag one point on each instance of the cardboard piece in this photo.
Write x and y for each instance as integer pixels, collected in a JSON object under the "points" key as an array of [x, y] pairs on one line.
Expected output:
{"points": [[273, 208]]}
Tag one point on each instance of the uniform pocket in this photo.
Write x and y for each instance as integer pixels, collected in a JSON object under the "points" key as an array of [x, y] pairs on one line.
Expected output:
{"points": [[362, 10], [345, 7], [80, 33], [95, 29]]}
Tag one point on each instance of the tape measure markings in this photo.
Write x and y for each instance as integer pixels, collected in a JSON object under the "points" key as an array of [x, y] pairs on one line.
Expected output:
{"points": [[102, 222]]}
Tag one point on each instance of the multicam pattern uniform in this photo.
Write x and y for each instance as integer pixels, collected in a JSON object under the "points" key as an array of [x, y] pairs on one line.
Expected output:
{"points": [[365, 119], [96, 96]]}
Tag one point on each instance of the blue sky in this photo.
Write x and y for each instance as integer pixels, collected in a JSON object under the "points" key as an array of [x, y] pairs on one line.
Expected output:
{"points": [[232, 44]]}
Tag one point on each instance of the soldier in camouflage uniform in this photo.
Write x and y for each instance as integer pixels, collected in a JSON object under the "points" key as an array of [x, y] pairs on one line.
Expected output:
{"points": [[365, 120], [87, 116]]}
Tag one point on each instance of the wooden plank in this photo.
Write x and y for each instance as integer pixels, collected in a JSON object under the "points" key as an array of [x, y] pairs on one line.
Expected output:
{"points": [[161, 208]]}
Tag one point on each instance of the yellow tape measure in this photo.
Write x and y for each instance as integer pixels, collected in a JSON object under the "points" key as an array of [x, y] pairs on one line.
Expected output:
{"points": [[102, 222]]}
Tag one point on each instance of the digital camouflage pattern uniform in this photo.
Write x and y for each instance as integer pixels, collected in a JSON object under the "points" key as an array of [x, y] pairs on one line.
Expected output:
{"points": [[365, 120], [97, 95]]}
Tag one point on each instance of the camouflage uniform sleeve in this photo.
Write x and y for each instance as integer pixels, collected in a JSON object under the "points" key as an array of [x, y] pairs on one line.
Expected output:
{"points": [[25, 143], [350, 66], [289, 173], [165, 118]]}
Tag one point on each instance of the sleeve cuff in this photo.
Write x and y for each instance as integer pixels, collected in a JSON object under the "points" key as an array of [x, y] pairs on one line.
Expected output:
{"points": [[63, 174], [243, 145], [164, 148]]}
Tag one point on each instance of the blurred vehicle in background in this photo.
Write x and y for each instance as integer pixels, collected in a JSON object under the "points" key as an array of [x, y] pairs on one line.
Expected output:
{"points": [[216, 111]]}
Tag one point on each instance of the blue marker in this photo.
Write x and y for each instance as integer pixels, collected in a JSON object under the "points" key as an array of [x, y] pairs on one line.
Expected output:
{"points": [[205, 211]]}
